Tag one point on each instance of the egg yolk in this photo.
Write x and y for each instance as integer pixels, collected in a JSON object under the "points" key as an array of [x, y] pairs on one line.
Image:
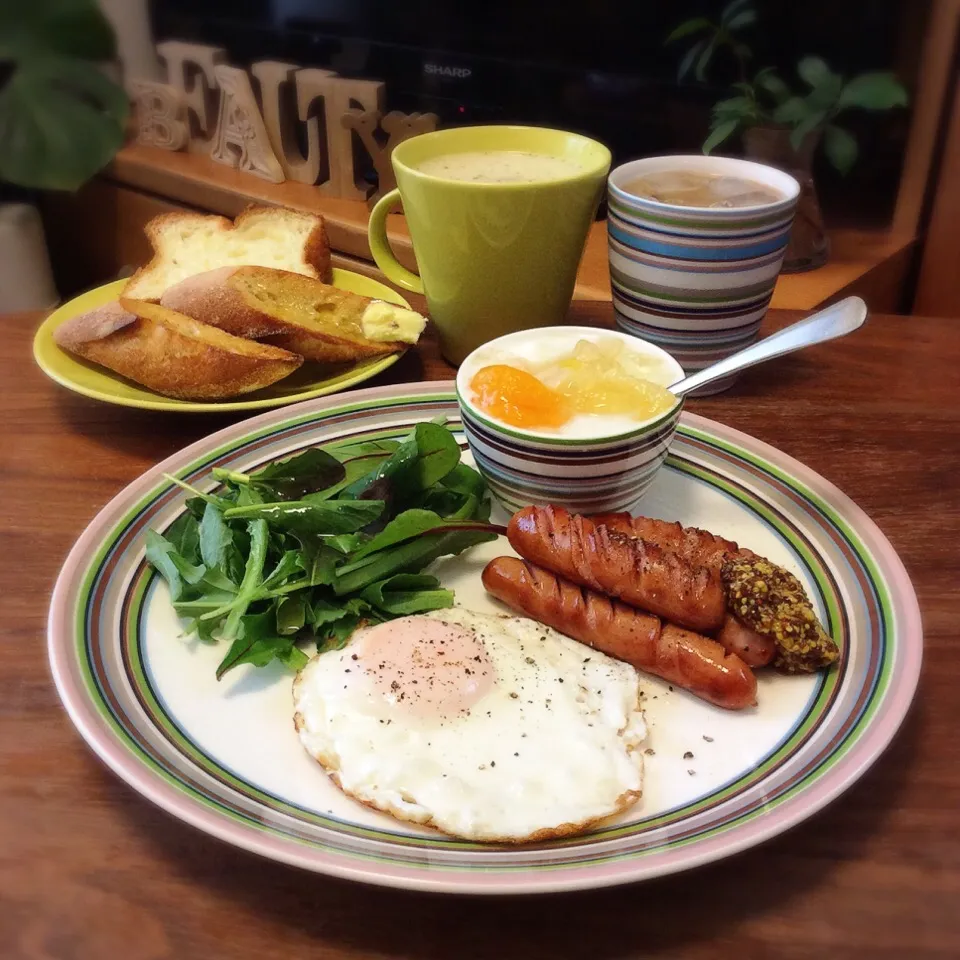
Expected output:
{"points": [[518, 398]]}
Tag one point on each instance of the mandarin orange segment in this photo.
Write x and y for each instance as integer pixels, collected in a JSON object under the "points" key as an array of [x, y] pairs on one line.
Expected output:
{"points": [[518, 398]]}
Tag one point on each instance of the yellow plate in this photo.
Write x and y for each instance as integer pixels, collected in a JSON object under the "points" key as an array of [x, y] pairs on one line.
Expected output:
{"points": [[311, 380]]}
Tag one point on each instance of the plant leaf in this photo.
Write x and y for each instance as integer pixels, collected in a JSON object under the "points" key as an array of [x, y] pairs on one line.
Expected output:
{"points": [[718, 134], [438, 454], [215, 538], [874, 91], [253, 571], [732, 9], [807, 125], [408, 593], [791, 111], [319, 561], [768, 80], [694, 25], [840, 147], [291, 615], [312, 517], [293, 658], [733, 108], [60, 122], [686, 64], [309, 472], [405, 526], [159, 551], [257, 642], [409, 557], [824, 83], [184, 534], [465, 479], [700, 71], [66, 28], [741, 20]]}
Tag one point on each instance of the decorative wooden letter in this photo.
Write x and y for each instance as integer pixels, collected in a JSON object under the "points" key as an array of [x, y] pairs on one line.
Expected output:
{"points": [[241, 139], [281, 123], [190, 68], [341, 98], [398, 127], [160, 115]]}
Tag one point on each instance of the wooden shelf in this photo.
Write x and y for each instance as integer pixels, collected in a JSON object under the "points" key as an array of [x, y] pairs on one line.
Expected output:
{"points": [[872, 264]]}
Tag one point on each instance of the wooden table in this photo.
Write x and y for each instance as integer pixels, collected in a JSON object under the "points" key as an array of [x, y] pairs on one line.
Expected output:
{"points": [[90, 870]]}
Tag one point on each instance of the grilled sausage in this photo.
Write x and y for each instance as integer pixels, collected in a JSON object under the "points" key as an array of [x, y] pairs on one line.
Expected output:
{"points": [[680, 657], [698, 547], [751, 647], [635, 571]]}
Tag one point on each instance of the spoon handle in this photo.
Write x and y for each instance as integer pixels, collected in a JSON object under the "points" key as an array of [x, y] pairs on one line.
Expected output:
{"points": [[834, 321]]}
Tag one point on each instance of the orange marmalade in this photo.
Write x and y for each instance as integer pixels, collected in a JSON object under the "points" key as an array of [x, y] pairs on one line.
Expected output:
{"points": [[601, 379]]}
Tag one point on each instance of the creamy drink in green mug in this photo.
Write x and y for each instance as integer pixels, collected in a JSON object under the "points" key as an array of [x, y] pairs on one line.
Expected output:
{"points": [[498, 217]]}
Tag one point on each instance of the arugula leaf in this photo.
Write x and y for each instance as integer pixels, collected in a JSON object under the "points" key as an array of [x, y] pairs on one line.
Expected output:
{"points": [[421, 460], [312, 471], [438, 454], [386, 469], [466, 480], [215, 579], [259, 534], [248, 497], [160, 553], [291, 615], [410, 523], [184, 534], [405, 557], [347, 542], [407, 593], [258, 643], [220, 502], [196, 606], [323, 611], [313, 517], [318, 561], [293, 658], [215, 537], [364, 449]]}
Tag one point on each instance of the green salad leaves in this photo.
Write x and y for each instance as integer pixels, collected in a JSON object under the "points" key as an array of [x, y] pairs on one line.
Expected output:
{"points": [[308, 548]]}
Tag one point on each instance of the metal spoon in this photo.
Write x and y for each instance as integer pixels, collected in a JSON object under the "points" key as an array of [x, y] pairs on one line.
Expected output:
{"points": [[834, 321]]}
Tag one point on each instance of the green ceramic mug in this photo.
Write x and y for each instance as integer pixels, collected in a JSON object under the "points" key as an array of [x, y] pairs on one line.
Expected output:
{"points": [[494, 258]]}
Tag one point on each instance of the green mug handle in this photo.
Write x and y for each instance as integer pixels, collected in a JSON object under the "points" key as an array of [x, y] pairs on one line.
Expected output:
{"points": [[395, 271]]}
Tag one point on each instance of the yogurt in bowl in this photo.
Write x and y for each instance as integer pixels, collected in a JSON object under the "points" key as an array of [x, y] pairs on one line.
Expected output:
{"points": [[545, 428]]}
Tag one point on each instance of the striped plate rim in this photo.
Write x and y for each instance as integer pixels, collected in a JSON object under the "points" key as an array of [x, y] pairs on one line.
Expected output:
{"points": [[854, 713]]}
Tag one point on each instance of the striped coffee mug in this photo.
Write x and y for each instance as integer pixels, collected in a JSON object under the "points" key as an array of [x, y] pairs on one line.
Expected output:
{"points": [[696, 281]]}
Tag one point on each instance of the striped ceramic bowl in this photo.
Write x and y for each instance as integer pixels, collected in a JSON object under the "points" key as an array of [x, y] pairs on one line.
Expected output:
{"points": [[591, 472], [696, 281]]}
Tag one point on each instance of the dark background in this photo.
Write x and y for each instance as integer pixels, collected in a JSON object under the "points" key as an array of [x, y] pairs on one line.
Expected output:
{"points": [[599, 67]]}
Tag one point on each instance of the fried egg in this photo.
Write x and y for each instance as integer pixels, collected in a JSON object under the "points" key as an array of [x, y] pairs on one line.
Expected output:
{"points": [[489, 728]]}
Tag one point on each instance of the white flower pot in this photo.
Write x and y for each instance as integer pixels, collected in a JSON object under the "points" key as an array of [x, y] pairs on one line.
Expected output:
{"points": [[26, 280]]}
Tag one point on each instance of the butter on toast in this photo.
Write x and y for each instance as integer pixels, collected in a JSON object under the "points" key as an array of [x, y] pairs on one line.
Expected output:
{"points": [[320, 322]]}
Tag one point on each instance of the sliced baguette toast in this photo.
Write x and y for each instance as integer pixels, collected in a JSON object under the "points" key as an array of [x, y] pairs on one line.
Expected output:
{"points": [[185, 244], [173, 354], [320, 322]]}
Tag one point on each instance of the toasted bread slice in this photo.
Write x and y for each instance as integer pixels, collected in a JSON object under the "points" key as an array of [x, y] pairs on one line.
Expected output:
{"points": [[185, 244], [173, 354], [319, 322]]}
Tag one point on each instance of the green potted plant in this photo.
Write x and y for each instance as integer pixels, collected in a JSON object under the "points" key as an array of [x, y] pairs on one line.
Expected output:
{"points": [[784, 123], [61, 120]]}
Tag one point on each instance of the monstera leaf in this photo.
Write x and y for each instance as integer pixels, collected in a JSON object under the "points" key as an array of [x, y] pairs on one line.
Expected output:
{"points": [[61, 118]]}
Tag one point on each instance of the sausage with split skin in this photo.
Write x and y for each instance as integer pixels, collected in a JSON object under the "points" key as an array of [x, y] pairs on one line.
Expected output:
{"points": [[698, 548], [678, 656], [637, 572]]}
